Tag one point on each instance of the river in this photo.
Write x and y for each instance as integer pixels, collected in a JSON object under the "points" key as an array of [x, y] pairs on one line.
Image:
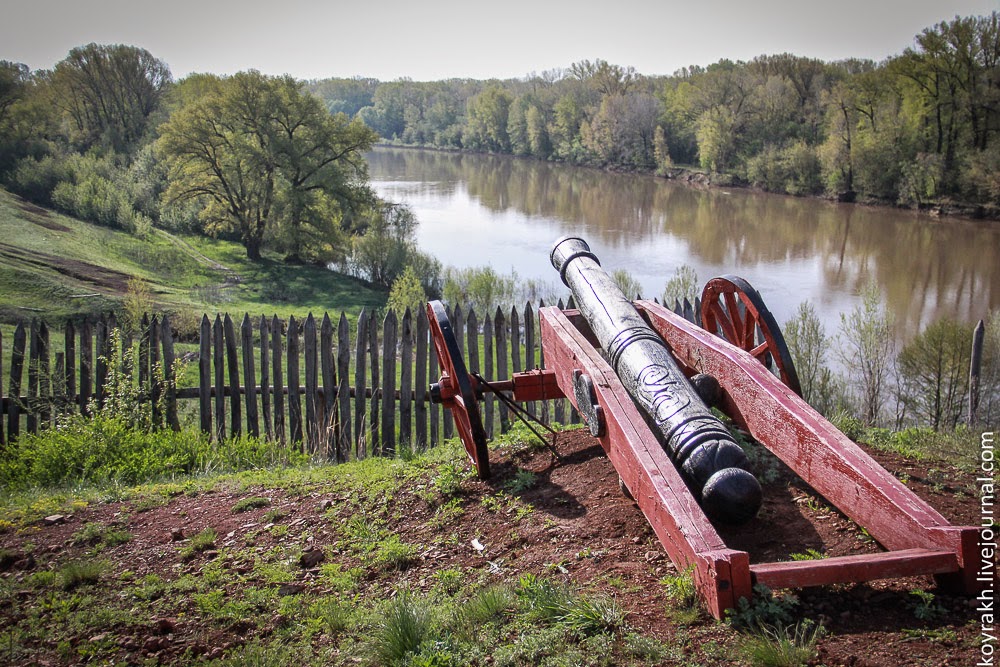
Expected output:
{"points": [[476, 210]]}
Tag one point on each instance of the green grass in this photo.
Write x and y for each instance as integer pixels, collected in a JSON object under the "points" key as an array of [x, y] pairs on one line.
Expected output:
{"points": [[186, 274]]}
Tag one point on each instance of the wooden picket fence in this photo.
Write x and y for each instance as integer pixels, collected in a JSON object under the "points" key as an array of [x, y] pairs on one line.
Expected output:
{"points": [[337, 390]]}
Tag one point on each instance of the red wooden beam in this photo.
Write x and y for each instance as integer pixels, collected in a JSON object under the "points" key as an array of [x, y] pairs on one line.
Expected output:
{"points": [[847, 569], [722, 575], [820, 454]]}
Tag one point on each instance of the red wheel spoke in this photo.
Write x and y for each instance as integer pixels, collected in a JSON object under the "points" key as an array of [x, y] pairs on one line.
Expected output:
{"points": [[721, 302]]}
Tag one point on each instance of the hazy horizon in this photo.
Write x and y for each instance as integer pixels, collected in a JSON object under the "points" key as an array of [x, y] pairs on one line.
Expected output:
{"points": [[451, 39]]}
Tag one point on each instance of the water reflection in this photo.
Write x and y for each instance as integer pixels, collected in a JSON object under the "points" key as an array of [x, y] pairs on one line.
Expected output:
{"points": [[477, 209]]}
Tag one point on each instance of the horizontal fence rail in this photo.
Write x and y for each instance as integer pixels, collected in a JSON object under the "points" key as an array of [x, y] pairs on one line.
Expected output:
{"points": [[337, 389]]}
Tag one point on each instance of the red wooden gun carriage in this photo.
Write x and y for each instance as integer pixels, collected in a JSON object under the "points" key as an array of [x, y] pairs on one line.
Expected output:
{"points": [[625, 365]]}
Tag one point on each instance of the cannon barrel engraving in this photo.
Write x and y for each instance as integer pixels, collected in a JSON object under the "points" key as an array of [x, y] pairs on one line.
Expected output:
{"points": [[712, 463]]}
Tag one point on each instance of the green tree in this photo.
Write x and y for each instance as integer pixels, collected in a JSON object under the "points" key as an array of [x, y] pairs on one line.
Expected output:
{"points": [[487, 120], [261, 156], [407, 292], [807, 344], [934, 373], [381, 255], [108, 93], [866, 348], [682, 285]]}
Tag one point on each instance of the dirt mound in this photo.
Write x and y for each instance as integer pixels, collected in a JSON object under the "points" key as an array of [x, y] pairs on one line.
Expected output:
{"points": [[102, 279]]}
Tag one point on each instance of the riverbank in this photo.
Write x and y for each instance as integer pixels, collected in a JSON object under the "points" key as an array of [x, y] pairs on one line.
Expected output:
{"points": [[696, 177]]}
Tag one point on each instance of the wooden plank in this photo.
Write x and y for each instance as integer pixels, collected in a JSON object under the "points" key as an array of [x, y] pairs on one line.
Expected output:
{"points": [[827, 460], [500, 329], [44, 376], [975, 371], [360, 380], [69, 377], [205, 375], [433, 373], [375, 443], [58, 384], [233, 365], [447, 421], [488, 411], [406, 382], [294, 400], [265, 378], [169, 381], [389, 341], [155, 376], [278, 380], [420, 382], [3, 434], [220, 379], [249, 376], [86, 365], [312, 429], [858, 568], [328, 422], [14, 387], [143, 354], [472, 345], [344, 388], [32, 407], [722, 574]]}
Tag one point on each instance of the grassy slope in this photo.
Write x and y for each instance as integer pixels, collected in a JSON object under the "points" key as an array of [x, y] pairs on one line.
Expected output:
{"points": [[191, 274]]}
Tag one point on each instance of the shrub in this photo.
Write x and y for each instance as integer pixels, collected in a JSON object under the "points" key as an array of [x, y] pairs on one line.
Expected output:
{"points": [[405, 625]]}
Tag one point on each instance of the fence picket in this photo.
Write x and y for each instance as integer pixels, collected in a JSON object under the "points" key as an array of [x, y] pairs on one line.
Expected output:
{"points": [[218, 359], [278, 379], [374, 448], [233, 365], [312, 385], [249, 376], [14, 388], [155, 385], [344, 388], [529, 347], [406, 382], [488, 374], [86, 364], [44, 376], [420, 382], [500, 330], [326, 419], [33, 378], [265, 378], [360, 380], [294, 400], [169, 384], [205, 375], [434, 409], [69, 377], [389, 341]]}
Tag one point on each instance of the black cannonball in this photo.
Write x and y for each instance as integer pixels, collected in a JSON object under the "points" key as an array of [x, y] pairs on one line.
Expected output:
{"points": [[732, 496]]}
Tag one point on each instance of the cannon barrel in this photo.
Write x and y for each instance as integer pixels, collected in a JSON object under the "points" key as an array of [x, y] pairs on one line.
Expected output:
{"points": [[711, 462]]}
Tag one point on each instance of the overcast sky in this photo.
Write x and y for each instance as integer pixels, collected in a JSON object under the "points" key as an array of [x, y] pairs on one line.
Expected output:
{"points": [[389, 39]]}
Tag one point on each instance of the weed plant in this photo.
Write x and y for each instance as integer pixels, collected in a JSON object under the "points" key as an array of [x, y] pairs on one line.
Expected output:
{"points": [[782, 646]]}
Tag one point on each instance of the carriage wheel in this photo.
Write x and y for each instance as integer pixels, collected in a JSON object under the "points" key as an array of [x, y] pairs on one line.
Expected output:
{"points": [[733, 310], [456, 389]]}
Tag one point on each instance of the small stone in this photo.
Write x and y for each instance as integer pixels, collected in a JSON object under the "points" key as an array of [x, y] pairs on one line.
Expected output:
{"points": [[652, 556], [54, 520], [311, 558], [636, 540], [325, 504], [285, 590], [166, 626], [176, 534], [214, 654]]}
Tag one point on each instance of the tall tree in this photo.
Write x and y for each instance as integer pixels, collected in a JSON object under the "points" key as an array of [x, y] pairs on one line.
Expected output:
{"points": [[262, 156], [108, 93]]}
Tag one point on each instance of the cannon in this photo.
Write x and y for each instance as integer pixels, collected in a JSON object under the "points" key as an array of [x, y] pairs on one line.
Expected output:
{"points": [[712, 463], [625, 367]]}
